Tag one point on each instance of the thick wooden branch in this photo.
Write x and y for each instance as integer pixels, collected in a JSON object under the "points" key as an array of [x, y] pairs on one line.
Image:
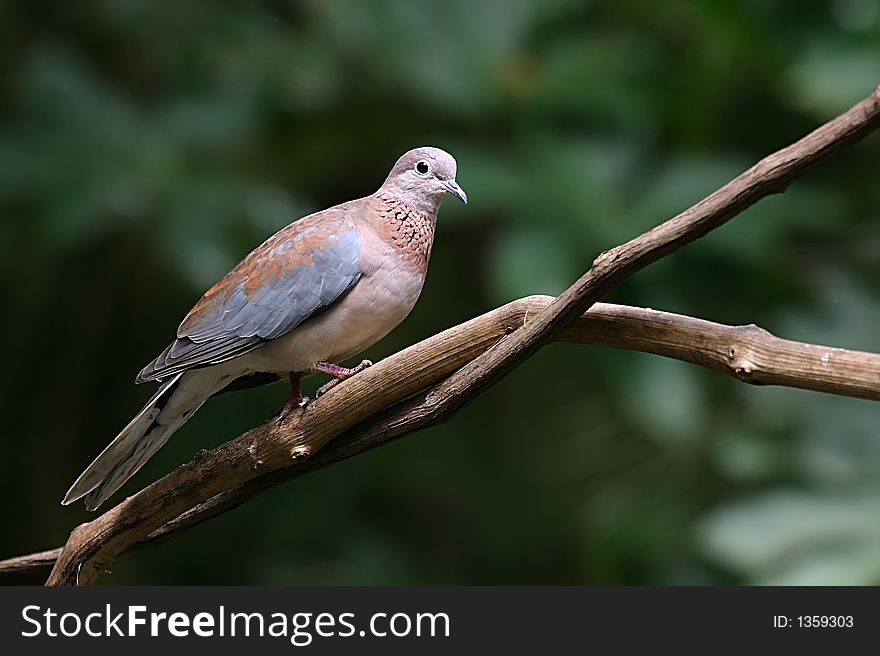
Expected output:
{"points": [[270, 449], [747, 353]]}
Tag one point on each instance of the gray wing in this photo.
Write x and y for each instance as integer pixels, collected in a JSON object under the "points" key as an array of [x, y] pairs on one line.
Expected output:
{"points": [[301, 271]]}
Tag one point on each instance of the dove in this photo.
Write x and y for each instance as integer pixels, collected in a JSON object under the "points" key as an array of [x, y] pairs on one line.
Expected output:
{"points": [[318, 292]]}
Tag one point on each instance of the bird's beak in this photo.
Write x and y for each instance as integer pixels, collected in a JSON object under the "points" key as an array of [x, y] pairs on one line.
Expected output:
{"points": [[453, 188]]}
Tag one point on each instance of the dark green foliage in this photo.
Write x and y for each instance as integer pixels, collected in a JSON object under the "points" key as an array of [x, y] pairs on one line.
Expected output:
{"points": [[145, 147]]}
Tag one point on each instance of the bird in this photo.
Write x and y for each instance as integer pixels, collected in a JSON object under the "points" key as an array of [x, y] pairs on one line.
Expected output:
{"points": [[316, 293]]}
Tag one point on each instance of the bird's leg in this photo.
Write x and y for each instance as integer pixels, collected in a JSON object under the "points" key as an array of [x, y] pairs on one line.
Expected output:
{"points": [[338, 372], [295, 399]]}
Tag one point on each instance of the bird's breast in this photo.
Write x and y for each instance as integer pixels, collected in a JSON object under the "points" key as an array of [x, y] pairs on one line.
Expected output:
{"points": [[407, 234], [395, 249], [377, 303]]}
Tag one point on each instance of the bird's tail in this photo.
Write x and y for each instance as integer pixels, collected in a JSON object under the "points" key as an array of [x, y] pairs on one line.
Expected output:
{"points": [[163, 414]]}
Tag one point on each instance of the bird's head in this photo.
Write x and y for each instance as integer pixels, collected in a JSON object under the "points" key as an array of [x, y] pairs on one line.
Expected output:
{"points": [[423, 177]]}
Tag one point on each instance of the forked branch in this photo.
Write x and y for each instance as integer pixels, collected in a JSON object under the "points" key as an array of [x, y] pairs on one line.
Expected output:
{"points": [[266, 454]]}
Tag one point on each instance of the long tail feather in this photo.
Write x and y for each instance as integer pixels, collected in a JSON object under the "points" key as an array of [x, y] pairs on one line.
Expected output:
{"points": [[135, 444]]}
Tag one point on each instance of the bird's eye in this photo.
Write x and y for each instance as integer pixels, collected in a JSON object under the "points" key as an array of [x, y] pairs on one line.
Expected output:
{"points": [[422, 167]]}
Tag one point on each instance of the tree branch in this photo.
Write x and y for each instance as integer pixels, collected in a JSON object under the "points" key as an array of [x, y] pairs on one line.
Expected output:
{"points": [[267, 451], [36, 560], [747, 353]]}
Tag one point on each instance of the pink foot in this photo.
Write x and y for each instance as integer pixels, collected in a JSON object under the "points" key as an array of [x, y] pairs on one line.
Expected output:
{"points": [[339, 373]]}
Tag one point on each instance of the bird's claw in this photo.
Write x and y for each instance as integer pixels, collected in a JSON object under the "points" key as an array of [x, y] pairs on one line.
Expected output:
{"points": [[329, 385], [326, 387], [289, 406]]}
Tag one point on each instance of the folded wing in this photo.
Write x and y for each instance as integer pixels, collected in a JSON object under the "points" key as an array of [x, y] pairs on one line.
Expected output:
{"points": [[299, 272]]}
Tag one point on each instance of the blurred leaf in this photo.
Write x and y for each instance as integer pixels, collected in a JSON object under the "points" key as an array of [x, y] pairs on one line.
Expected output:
{"points": [[831, 76], [790, 538]]}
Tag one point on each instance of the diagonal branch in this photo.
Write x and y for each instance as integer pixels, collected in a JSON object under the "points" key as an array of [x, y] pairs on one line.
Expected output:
{"points": [[747, 353], [270, 449]]}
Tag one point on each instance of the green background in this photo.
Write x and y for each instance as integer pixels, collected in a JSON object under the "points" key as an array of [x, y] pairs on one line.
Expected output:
{"points": [[145, 147]]}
